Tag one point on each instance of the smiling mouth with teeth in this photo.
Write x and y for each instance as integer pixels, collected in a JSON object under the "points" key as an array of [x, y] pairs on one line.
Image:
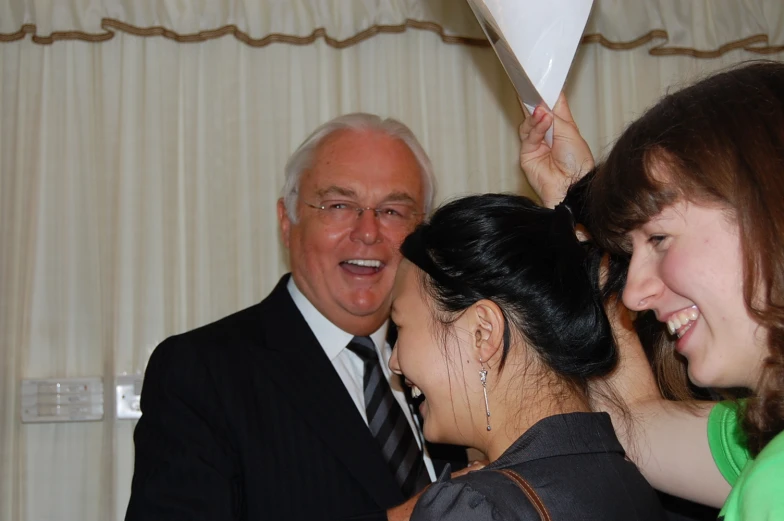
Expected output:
{"points": [[364, 262], [363, 266], [417, 397], [680, 322]]}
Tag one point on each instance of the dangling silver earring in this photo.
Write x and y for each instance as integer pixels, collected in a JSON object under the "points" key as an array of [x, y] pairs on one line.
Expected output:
{"points": [[483, 378]]}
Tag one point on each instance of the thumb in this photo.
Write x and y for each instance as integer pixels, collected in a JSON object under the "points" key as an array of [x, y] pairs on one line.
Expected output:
{"points": [[562, 110]]}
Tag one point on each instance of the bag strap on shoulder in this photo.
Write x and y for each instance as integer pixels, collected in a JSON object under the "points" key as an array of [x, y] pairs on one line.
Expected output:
{"points": [[529, 491]]}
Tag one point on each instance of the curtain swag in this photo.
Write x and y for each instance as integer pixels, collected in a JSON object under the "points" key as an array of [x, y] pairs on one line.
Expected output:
{"points": [[701, 28]]}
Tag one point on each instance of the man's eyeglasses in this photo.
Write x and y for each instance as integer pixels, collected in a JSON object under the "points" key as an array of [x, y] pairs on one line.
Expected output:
{"points": [[391, 215]]}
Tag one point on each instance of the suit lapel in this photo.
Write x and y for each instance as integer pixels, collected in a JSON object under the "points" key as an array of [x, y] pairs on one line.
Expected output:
{"points": [[306, 377]]}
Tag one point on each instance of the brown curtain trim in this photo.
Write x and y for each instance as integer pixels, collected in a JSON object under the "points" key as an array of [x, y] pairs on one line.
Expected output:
{"points": [[758, 44], [111, 25]]}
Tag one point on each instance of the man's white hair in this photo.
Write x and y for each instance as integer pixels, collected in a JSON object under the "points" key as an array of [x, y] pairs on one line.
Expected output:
{"points": [[302, 158]]}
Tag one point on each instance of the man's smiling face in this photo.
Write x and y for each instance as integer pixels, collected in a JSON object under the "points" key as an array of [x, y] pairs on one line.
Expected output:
{"points": [[347, 270]]}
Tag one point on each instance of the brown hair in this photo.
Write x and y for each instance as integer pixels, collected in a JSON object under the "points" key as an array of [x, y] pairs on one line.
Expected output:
{"points": [[721, 141]]}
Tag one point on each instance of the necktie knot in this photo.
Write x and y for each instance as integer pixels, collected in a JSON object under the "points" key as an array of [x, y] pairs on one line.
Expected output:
{"points": [[364, 348]]}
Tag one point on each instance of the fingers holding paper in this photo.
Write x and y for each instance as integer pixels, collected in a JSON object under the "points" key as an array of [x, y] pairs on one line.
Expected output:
{"points": [[474, 465], [403, 512], [551, 169]]}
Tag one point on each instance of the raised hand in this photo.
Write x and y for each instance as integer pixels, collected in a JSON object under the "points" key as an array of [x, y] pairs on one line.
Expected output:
{"points": [[550, 171]]}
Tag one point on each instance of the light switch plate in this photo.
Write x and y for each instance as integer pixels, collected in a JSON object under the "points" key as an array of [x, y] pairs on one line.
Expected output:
{"points": [[46, 400]]}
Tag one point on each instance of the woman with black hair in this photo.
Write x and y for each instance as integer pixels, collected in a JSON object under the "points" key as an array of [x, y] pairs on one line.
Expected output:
{"points": [[500, 329]]}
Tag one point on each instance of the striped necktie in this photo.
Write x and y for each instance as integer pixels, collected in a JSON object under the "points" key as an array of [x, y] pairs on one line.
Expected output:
{"points": [[388, 424]]}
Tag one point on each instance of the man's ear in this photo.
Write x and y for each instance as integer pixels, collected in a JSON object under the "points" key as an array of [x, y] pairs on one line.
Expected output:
{"points": [[284, 222], [489, 329]]}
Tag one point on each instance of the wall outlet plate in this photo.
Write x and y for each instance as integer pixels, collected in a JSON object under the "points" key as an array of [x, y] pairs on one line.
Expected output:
{"points": [[128, 391]]}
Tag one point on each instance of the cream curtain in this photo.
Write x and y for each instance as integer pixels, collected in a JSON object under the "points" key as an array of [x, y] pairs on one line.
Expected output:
{"points": [[138, 177]]}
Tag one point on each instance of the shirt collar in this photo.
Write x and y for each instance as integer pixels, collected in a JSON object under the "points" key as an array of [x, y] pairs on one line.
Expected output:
{"points": [[562, 435], [332, 339]]}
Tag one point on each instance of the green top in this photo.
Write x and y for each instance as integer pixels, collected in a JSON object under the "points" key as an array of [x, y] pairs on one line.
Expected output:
{"points": [[757, 484]]}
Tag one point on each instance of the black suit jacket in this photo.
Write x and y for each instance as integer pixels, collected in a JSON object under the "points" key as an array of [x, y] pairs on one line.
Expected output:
{"points": [[246, 418]]}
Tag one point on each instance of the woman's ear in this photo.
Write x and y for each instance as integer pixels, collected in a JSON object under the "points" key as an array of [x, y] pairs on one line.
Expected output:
{"points": [[582, 233], [488, 330]]}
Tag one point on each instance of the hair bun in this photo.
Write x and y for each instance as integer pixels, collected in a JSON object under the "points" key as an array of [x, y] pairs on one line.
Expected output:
{"points": [[528, 260]]}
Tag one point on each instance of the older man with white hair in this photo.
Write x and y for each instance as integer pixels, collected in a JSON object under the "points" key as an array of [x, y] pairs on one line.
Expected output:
{"points": [[287, 409]]}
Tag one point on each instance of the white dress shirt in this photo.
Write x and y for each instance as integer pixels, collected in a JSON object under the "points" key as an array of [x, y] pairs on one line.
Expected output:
{"points": [[350, 367]]}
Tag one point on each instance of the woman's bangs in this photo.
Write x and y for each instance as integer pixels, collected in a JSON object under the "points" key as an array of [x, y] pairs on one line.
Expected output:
{"points": [[627, 192]]}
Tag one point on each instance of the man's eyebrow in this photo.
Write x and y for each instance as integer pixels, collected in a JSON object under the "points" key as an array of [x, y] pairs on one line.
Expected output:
{"points": [[336, 190], [394, 197], [399, 197]]}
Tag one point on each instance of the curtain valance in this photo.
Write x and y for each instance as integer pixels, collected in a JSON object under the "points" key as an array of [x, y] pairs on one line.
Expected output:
{"points": [[700, 28]]}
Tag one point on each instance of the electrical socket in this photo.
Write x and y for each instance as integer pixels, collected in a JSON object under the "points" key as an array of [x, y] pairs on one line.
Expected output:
{"points": [[128, 390]]}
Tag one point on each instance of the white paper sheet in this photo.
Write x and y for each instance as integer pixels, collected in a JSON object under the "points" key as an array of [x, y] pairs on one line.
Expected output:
{"points": [[536, 41]]}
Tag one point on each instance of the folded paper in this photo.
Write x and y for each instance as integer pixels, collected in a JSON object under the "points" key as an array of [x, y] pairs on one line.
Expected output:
{"points": [[536, 41]]}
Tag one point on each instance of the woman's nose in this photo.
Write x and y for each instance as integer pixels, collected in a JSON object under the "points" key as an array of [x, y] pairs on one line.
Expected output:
{"points": [[643, 284]]}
